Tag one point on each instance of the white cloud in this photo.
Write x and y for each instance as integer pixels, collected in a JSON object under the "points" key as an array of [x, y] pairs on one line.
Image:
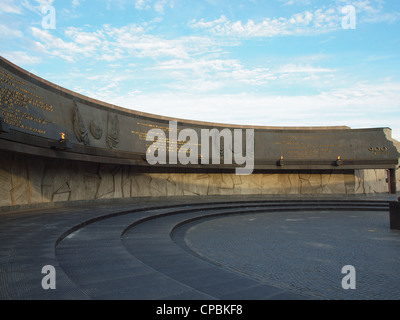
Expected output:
{"points": [[293, 68], [309, 22], [111, 43], [21, 58], [151, 46], [141, 4], [10, 6], [158, 5], [36, 5], [85, 38], [211, 74], [295, 2], [9, 33], [42, 3], [371, 11], [76, 3], [231, 72], [70, 51], [199, 65]]}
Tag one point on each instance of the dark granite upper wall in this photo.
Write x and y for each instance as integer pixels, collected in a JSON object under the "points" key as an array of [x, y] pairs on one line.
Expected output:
{"points": [[38, 112]]}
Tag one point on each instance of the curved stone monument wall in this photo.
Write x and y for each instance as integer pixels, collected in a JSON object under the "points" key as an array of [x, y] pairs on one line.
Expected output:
{"points": [[57, 145]]}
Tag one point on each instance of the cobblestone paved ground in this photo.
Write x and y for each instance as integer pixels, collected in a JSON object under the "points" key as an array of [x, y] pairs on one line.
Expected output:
{"points": [[305, 251]]}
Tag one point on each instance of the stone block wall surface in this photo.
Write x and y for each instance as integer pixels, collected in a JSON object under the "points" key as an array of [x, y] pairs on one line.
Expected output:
{"points": [[28, 180]]}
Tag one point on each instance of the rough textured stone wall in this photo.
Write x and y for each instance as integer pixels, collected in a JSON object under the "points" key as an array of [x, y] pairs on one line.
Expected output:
{"points": [[397, 145], [371, 181], [32, 180], [398, 178]]}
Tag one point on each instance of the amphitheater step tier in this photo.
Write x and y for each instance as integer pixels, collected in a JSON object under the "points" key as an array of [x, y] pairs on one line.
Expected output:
{"points": [[133, 252]]}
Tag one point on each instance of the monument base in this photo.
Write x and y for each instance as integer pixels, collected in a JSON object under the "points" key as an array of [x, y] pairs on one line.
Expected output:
{"points": [[28, 180]]}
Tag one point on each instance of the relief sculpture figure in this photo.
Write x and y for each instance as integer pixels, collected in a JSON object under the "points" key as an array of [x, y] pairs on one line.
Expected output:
{"points": [[95, 130], [112, 131], [80, 130]]}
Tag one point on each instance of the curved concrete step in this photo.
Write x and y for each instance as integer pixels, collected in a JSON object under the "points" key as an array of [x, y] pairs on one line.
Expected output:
{"points": [[148, 264]]}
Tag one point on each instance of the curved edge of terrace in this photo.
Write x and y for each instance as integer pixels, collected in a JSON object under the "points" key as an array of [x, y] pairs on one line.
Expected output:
{"points": [[58, 146]]}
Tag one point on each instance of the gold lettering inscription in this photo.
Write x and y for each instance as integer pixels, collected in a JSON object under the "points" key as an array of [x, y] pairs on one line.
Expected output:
{"points": [[379, 151], [142, 135], [302, 147], [16, 96]]}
